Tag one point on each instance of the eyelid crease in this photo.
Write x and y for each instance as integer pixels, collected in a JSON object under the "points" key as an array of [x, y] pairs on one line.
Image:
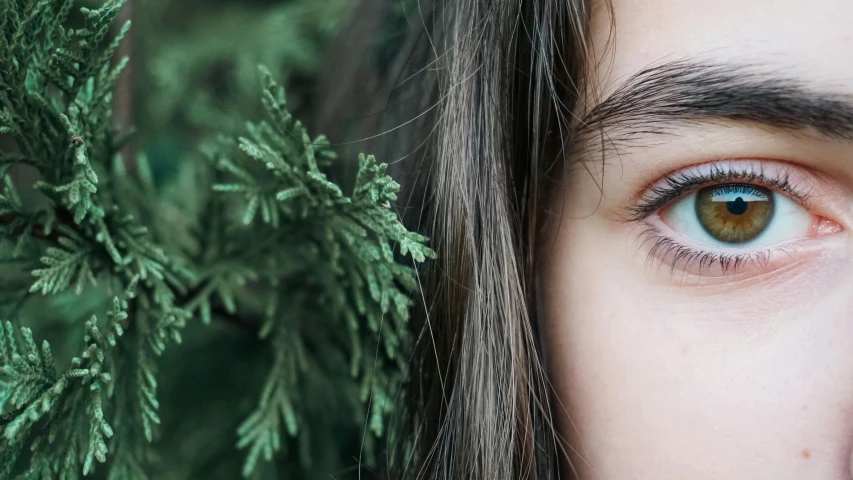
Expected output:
{"points": [[686, 181]]}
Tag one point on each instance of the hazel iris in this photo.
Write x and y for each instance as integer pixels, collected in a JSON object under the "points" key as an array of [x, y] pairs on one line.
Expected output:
{"points": [[735, 213]]}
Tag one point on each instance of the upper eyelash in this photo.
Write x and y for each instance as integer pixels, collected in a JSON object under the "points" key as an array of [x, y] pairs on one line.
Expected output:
{"points": [[682, 183]]}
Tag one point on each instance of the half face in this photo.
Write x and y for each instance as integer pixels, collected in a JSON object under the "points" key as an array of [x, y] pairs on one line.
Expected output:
{"points": [[697, 296]]}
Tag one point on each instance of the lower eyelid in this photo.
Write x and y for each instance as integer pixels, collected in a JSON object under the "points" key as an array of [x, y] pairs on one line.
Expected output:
{"points": [[676, 258], [663, 228]]}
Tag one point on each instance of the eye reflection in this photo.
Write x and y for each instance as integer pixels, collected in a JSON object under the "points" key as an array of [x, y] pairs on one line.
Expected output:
{"points": [[735, 213]]}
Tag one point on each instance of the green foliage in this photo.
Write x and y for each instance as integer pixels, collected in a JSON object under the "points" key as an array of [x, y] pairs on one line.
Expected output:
{"points": [[58, 417], [250, 238]]}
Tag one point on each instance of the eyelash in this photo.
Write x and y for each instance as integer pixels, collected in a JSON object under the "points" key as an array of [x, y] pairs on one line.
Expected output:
{"points": [[683, 183], [665, 247], [674, 187]]}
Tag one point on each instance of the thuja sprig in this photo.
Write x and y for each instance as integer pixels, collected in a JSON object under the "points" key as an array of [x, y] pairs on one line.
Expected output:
{"points": [[269, 243]]}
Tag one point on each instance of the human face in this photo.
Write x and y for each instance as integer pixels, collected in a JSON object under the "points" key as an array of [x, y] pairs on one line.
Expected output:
{"points": [[697, 297]]}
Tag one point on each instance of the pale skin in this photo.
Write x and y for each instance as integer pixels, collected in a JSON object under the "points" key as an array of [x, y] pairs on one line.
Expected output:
{"points": [[664, 370]]}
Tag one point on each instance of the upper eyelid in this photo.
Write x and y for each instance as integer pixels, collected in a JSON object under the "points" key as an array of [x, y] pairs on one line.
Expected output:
{"points": [[682, 182]]}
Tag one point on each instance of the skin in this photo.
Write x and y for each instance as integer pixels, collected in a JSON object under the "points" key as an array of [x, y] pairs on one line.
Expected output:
{"points": [[665, 374]]}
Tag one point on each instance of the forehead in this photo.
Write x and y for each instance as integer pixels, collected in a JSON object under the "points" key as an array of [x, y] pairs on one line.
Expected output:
{"points": [[805, 39]]}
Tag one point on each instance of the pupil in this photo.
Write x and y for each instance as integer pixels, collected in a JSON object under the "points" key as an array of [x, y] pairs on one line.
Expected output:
{"points": [[737, 207], [735, 213]]}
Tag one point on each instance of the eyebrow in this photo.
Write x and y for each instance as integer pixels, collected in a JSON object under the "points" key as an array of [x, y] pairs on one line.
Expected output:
{"points": [[657, 98]]}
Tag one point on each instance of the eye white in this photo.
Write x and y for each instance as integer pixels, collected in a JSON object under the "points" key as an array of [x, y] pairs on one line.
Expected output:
{"points": [[789, 221]]}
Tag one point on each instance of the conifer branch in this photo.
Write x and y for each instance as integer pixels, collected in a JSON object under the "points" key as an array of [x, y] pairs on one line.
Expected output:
{"points": [[272, 246]]}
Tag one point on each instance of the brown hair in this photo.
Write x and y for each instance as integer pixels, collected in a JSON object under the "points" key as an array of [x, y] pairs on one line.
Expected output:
{"points": [[494, 87], [510, 74]]}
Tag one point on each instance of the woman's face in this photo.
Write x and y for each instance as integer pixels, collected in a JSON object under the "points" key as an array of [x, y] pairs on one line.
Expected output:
{"points": [[698, 298]]}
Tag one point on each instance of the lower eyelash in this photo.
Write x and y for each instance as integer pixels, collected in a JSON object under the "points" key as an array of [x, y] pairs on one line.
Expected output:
{"points": [[666, 251]]}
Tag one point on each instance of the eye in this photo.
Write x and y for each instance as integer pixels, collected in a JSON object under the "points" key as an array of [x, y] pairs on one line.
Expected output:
{"points": [[738, 215]]}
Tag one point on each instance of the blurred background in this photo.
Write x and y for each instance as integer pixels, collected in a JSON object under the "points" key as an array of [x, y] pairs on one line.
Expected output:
{"points": [[194, 68]]}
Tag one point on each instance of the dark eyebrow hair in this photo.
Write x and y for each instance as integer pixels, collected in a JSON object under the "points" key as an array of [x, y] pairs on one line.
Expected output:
{"points": [[653, 100]]}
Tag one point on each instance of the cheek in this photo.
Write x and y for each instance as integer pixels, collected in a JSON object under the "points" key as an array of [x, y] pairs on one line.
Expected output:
{"points": [[668, 382]]}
